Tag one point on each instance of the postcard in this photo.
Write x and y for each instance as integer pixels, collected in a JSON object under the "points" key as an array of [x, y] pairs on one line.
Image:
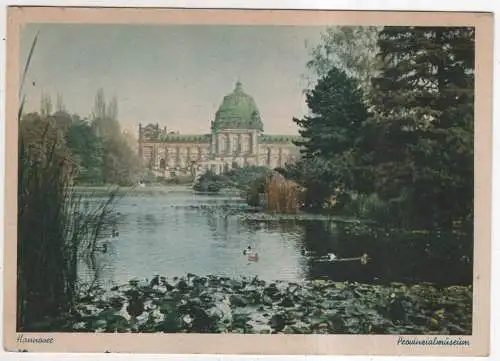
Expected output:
{"points": [[222, 181]]}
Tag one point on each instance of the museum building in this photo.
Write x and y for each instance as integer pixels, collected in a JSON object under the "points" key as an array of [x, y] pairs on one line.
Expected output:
{"points": [[237, 138]]}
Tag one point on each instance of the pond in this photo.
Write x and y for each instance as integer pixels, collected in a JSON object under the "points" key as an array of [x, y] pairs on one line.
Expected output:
{"points": [[176, 231]]}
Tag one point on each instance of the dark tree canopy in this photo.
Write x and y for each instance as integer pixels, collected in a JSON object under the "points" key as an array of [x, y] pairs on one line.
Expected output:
{"points": [[331, 133], [337, 113], [424, 101]]}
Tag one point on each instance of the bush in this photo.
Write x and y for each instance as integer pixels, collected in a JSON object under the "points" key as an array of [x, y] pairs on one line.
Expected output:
{"points": [[255, 190], [211, 182], [243, 177], [368, 207], [283, 195], [240, 177]]}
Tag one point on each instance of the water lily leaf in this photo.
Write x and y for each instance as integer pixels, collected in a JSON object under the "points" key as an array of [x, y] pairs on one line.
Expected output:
{"points": [[277, 322], [238, 301]]}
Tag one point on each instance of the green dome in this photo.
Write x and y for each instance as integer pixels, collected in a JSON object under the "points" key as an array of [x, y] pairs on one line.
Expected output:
{"points": [[237, 111]]}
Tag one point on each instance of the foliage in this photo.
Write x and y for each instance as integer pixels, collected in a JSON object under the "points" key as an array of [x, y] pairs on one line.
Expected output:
{"points": [[121, 164], [178, 179], [255, 191], [211, 182], [283, 195], [87, 150], [244, 176], [423, 129], [362, 206], [315, 175], [238, 177], [45, 105], [211, 304], [103, 153], [352, 49], [413, 150], [52, 231], [330, 164]]}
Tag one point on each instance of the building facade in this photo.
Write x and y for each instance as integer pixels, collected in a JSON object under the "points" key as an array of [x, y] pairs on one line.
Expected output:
{"points": [[237, 138]]}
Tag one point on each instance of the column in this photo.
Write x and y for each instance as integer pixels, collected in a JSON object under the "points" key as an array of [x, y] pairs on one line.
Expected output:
{"points": [[156, 159], [230, 145], [213, 143], [254, 143]]}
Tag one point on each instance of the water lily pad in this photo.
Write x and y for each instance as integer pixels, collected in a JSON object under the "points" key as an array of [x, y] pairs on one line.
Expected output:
{"points": [[238, 301]]}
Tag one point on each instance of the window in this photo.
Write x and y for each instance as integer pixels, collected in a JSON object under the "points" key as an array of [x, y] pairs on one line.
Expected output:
{"points": [[234, 143], [245, 143]]}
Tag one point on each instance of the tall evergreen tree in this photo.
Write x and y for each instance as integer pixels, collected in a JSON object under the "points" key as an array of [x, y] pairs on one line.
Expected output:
{"points": [[331, 131], [423, 132]]}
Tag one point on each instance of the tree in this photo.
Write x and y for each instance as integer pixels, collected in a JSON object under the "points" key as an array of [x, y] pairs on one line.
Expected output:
{"points": [[45, 105], [423, 129], [87, 150], [315, 174], [99, 110], [104, 116], [151, 131], [352, 49], [60, 104], [121, 164], [112, 110], [63, 120], [331, 133]]}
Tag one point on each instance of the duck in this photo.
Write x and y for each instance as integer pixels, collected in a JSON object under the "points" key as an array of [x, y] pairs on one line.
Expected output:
{"points": [[253, 256], [247, 251]]}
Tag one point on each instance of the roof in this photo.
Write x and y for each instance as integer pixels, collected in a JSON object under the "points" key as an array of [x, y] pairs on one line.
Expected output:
{"points": [[185, 138], [238, 111], [272, 138]]}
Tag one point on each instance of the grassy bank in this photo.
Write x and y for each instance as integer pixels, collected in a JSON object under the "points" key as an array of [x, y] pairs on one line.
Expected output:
{"points": [[219, 304]]}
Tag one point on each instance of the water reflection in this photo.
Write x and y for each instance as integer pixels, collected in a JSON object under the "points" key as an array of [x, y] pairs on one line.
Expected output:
{"points": [[175, 233]]}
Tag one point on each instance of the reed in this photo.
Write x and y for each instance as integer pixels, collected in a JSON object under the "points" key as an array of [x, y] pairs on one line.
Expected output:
{"points": [[55, 229], [283, 196]]}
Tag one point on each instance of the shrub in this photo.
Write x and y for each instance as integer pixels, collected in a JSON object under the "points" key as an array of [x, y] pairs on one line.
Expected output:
{"points": [[283, 196], [255, 190], [211, 182]]}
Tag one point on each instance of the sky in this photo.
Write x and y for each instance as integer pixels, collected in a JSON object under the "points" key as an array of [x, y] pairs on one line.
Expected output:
{"points": [[176, 75]]}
